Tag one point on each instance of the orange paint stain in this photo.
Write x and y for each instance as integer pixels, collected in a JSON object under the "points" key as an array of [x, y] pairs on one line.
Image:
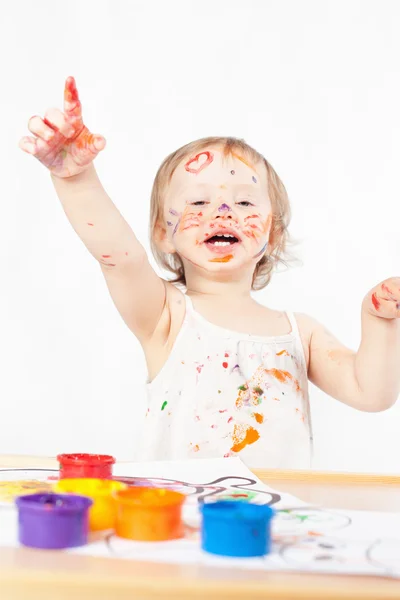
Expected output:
{"points": [[259, 418], [283, 353], [189, 219], [244, 161], [223, 259], [335, 356], [284, 377], [243, 435]]}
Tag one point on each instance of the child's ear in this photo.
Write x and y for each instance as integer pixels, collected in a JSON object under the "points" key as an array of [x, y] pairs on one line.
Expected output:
{"points": [[161, 239]]}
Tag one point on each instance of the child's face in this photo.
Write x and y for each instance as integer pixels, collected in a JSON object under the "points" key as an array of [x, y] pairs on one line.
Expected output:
{"points": [[217, 211]]}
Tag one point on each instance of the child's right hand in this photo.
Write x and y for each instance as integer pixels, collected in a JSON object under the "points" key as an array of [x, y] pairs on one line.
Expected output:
{"points": [[63, 143]]}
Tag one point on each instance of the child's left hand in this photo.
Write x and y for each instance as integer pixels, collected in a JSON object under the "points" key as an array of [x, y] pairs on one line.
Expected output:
{"points": [[384, 299]]}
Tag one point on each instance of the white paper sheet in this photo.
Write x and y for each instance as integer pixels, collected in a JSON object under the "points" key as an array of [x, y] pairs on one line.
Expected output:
{"points": [[305, 538]]}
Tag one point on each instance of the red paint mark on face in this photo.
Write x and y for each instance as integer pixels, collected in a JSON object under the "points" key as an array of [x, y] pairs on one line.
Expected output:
{"points": [[90, 224], [225, 365], [126, 254], [243, 435], [230, 419], [223, 259], [375, 301], [106, 256], [223, 411], [199, 162]]}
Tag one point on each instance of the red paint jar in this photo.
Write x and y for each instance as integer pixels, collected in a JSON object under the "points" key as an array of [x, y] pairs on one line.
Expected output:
{"points": [[98, 466]]}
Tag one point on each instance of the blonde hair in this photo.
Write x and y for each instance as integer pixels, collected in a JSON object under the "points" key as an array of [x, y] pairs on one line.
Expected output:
{"points": [[281, 213]]}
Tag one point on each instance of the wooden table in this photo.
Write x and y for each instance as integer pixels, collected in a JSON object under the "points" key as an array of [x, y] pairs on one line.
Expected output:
{"points": [[46, 575]]}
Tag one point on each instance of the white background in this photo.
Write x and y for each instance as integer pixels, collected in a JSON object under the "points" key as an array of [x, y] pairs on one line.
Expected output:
{"points": [[313, 85]]}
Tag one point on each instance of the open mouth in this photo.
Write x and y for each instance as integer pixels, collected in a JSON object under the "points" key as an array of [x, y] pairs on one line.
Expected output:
{"points": [[221, 240]]}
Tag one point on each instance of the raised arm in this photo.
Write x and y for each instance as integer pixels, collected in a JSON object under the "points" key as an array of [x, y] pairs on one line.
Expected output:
{"points": [[368, 379], [66, 147]]}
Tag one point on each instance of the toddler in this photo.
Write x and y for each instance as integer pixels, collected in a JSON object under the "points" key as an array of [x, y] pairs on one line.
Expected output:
{"points": [[226, 375]]}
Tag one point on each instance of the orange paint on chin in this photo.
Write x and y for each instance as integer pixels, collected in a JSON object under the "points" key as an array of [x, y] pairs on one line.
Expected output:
{"points": [[223, 259], [250, 436]]}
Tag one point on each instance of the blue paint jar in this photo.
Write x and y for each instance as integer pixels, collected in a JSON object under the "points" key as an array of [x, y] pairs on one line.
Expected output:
{"points": [[237, 528]]}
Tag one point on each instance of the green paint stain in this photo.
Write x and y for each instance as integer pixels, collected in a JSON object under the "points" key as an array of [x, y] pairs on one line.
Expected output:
{"points": [[301, 518], [258, 391], [164, 404], [242, 387], [219, 391]]}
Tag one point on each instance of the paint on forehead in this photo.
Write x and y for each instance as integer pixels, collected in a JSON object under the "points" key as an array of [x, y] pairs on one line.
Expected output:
{"points": [[244, 161], [199, 162]]}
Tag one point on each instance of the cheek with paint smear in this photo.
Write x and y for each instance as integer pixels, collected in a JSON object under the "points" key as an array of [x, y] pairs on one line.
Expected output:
{"points": [[190, 219]]}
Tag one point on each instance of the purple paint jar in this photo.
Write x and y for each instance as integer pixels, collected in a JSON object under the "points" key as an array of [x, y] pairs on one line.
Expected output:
{"points": [[53, 521]]}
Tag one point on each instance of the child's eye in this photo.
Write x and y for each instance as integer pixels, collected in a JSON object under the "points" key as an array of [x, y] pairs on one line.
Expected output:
{"points": [[244, 203], [199, 203]]}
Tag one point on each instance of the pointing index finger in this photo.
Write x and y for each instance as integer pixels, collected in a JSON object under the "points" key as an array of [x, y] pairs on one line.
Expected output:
{"points": [[72, 104]]}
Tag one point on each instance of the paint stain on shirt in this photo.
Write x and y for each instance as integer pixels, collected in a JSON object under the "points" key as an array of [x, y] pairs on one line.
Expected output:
{"points": [[258, 417], [243, 435]]}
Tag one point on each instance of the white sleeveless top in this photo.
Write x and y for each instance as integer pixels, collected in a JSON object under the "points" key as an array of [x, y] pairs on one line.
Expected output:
{"points": [[222, 393]]}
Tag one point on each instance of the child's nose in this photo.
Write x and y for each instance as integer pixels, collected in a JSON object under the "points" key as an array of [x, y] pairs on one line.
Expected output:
{"points": [[224, 210]]}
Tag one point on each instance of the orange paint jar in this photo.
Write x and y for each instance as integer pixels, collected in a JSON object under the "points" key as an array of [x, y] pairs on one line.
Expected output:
{"points": [[149, 514], [102, 514]]}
